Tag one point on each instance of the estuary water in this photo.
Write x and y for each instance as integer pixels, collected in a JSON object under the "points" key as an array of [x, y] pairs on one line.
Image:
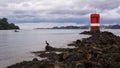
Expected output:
{"points": [[16, 46]]}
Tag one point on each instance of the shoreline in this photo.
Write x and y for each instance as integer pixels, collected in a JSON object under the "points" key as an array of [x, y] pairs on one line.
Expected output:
{"points": [[99, 50]]}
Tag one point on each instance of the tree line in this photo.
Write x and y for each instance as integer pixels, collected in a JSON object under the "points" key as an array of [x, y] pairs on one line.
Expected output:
{"points": [[4, 25]]}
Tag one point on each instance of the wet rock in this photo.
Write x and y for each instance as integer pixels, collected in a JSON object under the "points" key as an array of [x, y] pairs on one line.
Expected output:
{"points": [[48, 47], [35, 59], [33, 64], [51, 55], [78, 41], [71, 44], [86, 32], [79, 65]]}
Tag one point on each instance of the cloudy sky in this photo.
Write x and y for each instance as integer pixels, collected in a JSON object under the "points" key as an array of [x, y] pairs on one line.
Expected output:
{"points": [[48, 13]]}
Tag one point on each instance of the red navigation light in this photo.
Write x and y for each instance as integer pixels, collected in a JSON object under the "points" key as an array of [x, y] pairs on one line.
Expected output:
{"points": [[95, 22]]}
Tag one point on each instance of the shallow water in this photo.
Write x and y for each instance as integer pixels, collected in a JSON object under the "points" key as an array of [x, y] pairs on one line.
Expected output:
{"points": [[16, 46]]}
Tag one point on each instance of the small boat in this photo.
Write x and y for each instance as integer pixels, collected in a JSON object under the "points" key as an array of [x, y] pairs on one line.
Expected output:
{"points": [[16, 31]]}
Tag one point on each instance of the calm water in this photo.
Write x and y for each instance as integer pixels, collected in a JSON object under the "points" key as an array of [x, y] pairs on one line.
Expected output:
{"points": [[16, 46]]}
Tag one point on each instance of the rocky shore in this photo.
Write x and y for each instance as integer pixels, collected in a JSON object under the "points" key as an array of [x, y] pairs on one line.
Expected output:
{"points": [[101, 50]]}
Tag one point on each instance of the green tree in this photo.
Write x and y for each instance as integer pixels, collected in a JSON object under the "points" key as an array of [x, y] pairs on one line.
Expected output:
{"points": [[4, 25]]}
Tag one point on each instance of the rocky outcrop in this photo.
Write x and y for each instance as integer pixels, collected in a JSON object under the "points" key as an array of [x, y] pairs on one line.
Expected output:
{"points": [[101, 50]]}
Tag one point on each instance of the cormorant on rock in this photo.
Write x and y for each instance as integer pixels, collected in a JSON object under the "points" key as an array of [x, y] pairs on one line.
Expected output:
{"points": [[48, 47], [47, 43]]}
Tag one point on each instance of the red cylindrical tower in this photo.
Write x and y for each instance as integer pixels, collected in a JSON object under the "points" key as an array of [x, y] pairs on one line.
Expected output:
{"points": [[95, 22]]}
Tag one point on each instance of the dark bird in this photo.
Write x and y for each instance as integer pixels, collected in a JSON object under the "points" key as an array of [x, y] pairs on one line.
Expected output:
{"points": [[47, 43], [48, 47]]}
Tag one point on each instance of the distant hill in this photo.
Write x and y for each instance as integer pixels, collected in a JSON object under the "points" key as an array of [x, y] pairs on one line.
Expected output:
{"points": [[83, 27], [112, 27], [67, 27], [71, 27], [4, 25]]}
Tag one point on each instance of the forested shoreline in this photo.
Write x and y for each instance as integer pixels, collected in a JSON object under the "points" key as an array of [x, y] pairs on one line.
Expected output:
{"points": [[5, 25]]}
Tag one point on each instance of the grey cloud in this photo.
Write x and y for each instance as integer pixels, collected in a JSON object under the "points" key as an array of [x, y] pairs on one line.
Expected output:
{"points": [[46, 11], [12, 1], [105, 4], [118, 11], [19, 12], [72, 12]]}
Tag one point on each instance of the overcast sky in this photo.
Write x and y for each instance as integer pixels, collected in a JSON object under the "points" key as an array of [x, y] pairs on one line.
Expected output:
{"points": [[58, 12]]}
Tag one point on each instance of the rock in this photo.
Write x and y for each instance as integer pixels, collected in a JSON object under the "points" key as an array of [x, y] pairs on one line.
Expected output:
{"points": [[79, 65], [86, 32], [65, 55], [35, 59], [48, 47], [101, 50], [71, 44], [78, 41]]}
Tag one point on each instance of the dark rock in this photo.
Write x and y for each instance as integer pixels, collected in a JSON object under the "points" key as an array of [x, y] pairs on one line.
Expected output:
{"points": [[78, 42], [79, 65], [35, 59], [51, 55], [101, 50], [48, 47], [72, 44], [86, 32]]}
